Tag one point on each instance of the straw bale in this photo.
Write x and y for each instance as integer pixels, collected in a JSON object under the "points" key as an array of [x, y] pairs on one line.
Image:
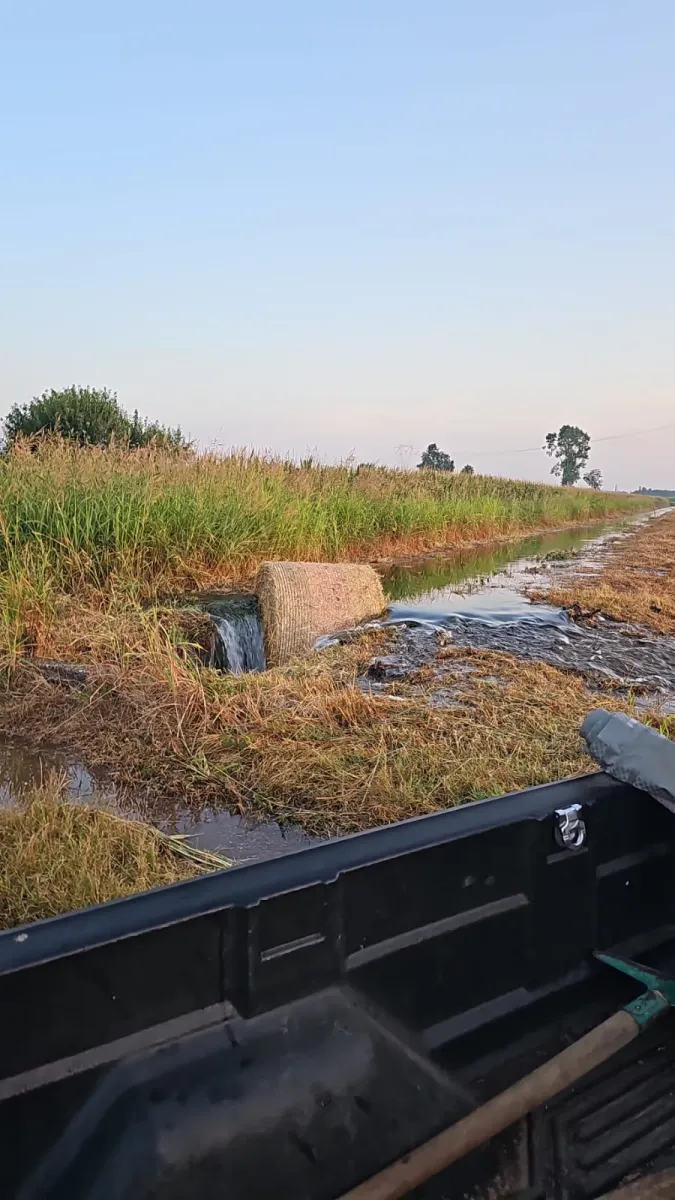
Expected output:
{"points": [[300, 602]]}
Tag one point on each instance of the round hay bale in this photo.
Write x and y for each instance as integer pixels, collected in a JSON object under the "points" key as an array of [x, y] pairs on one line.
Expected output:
{"points": [[300, 602]]}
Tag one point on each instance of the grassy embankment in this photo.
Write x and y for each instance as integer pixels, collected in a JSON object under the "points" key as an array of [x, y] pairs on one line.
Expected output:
{"points": [[93, 546], [109, 526], [637, 581]]}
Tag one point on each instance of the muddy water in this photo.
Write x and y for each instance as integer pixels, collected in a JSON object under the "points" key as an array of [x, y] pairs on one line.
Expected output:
{"points": [[237, 838], [241, 839], [22, 767]]}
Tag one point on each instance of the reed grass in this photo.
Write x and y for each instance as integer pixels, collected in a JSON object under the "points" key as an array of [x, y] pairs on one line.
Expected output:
{"points": [[101, 523], [94, 512]]}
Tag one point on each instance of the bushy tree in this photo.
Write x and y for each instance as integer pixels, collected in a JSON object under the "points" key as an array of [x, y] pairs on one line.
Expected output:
{"points": [[594, 479], [570, 447], [89, 416], [467, 470], [434, 459]]}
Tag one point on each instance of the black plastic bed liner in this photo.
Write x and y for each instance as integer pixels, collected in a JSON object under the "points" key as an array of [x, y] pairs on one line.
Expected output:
{"points": [[288, 1028]]}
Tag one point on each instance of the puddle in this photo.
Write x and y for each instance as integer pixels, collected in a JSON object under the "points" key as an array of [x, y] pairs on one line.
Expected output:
{"points": [[22, 767], [238, 838], [241, 839]]}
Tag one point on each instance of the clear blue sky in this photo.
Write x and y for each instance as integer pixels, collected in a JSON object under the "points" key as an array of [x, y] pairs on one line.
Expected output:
{"points": [[349, 226]]}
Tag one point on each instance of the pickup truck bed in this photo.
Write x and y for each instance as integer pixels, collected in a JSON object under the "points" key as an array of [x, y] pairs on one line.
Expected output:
{"points": [[285, 1029]]}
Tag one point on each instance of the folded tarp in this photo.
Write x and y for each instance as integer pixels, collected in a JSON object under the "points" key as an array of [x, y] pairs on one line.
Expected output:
{"points": [[633, 753]]}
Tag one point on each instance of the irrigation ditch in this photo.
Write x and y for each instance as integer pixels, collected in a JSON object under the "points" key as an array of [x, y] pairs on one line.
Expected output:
{"points": [[442, 609]]}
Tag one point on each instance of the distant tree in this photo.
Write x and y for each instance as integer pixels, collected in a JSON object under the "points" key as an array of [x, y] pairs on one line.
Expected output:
{"points": [[89, 416], [570, 447], [594, 479], [644, 491], [467, 470], [436, 460]]}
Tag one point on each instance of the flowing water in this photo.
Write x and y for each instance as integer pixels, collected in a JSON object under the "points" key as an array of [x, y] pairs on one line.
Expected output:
{"points": [[480, 599], [474, 596], [483, 582], [239, 634]]}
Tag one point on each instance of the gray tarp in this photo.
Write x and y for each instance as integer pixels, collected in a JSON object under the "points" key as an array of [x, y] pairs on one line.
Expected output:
{"points": [[632, 753]]}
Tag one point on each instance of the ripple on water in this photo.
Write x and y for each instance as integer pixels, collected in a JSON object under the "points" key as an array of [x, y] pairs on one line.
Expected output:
{"points": [[480, 599]]}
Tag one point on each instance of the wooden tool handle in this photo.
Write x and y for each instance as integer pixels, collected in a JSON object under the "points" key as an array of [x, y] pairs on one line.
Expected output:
{"points": [[653, 1187], [500, 1112]]}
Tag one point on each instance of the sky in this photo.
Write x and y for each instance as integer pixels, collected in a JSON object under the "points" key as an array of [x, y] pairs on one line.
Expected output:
{"points": [[348, 228]]}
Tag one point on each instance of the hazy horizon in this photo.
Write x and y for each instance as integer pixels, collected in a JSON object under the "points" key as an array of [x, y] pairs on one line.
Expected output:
{"points": [[349, 229]]}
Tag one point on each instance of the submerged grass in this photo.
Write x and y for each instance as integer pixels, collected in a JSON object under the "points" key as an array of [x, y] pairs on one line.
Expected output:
{"points": [[304, 743], [56, 856], [636, 583], [145, 524]]}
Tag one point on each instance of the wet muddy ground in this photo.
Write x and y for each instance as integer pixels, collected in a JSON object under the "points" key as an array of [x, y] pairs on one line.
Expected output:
{"points": [[475, 598], [238, 838], [622, 657], [494, 612]]}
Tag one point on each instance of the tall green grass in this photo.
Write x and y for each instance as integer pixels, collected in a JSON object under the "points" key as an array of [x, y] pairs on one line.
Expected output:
{"points": [[149, 521], [86, 514]]}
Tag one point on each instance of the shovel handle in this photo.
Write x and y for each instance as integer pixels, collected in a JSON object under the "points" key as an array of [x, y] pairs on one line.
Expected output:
{"points": [[503, 1110], [654, 1187]]}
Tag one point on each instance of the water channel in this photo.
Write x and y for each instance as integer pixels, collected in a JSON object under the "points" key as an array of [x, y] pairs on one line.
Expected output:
{"points": [[483, 602], [484, 580], [477, 595]]}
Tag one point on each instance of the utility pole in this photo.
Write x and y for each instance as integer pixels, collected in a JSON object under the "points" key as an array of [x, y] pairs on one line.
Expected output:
{"points": [[405, 453]]}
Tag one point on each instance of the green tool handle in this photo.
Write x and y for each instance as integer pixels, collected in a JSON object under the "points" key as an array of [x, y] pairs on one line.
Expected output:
{"points": [[500, 1112]]}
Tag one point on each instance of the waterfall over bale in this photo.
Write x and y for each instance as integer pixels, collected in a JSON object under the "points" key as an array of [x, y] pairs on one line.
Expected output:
{"points": [[300, 602]]}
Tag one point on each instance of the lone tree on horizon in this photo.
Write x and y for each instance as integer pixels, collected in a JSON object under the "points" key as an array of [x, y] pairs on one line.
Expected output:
{"points": [[570, 447], [434, 459]]}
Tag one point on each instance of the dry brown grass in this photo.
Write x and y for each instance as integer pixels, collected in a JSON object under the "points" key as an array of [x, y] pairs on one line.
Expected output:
{"points": [[56, 856], [637, 582], [95, 629], [305, 743]]}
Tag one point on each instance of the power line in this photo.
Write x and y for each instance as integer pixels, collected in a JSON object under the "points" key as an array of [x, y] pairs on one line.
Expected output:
{"points": [[608, 437]]}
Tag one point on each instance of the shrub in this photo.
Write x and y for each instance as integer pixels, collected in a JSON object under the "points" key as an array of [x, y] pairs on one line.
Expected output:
{"points": [[92, 416]]}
